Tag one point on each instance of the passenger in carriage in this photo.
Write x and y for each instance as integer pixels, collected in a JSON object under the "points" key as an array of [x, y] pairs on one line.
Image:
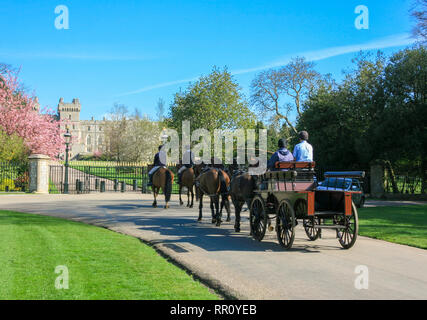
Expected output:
{"points": [[282, 154], [303, 151]]}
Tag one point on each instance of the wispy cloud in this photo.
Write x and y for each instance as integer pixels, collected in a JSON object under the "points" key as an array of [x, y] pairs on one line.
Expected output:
{"points": [[157, 86], [403, 39], [316, 55]]}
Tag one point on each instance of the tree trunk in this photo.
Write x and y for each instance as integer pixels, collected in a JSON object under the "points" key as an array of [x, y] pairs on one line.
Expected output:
{"points": [[390, 171]]}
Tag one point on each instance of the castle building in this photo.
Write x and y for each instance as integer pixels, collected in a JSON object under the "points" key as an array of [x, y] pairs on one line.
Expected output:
{"points": [[87, 135]]}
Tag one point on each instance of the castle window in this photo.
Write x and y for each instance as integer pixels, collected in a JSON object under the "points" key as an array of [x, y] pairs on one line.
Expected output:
{"points": [[88, 140], [69, 116], [88, 128]]}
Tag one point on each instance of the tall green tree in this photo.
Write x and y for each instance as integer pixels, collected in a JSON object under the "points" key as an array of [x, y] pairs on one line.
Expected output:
{"points": [[338, 117], [213, 102], [402, 131]]}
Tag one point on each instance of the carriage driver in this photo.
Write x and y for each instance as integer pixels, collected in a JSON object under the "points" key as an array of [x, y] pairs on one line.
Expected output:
{"points": [[303, 151], [282, 154], [187, 161], [158, 162]]}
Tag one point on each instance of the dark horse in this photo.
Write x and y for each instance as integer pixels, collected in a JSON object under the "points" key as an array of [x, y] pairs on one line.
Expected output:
{"points": [[242, 188], [214, 183], [187, 180], [162, 179]]}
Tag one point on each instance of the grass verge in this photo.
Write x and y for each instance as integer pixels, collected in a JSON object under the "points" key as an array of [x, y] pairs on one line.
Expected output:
{"points": [[102, 264], [399, 224]]}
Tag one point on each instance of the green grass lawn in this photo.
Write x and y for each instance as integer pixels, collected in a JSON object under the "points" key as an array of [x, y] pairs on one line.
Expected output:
{"points": [[400, 224], [102, 264]]}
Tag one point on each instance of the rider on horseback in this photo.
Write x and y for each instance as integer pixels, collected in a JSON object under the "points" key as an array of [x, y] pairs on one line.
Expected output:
{"points": [[187, 161], [159, 161]]}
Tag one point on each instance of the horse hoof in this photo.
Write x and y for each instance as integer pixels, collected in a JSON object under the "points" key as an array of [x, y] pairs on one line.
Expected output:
{"points": [[199, 219], [213, 220], [190, 206], [181, 203], [237, 229], [228, 219], [154, 205], [218, 224]]}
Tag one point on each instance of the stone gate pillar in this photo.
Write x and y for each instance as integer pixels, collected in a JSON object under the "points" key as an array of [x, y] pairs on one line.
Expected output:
{"points": [[39, 173], [377, 180]]}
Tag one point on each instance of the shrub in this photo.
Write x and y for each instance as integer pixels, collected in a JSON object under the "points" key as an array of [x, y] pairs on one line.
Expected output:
{"points": [[7, 183]]}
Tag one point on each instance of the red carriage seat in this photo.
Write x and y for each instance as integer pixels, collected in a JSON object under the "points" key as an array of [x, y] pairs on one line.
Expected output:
{"points": [[295, 165]]}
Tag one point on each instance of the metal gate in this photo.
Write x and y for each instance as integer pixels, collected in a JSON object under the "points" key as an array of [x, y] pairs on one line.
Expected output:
{"points": [[14, 177], [85, 177]]}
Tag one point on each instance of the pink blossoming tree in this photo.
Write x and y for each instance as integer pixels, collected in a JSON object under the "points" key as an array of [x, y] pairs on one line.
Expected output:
{"points": [[19, 115]]}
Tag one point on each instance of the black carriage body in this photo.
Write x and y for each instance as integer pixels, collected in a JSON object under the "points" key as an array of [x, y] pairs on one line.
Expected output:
{"points": [[294, 190]]}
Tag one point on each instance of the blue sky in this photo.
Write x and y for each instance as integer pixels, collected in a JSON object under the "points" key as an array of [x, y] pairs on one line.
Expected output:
{"points": [[135, 52]]}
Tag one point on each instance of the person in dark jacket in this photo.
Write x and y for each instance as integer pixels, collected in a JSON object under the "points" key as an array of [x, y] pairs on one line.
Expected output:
{"points": [[282, 154], [159, 161]]}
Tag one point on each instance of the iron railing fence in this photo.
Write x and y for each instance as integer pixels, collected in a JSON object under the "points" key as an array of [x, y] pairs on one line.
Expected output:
{"points": [[14, 177], [85, 176], [405, 183]]}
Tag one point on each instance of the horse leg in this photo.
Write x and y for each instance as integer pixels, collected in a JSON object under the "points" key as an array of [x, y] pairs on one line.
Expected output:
{"points": [[200, 206], [218, 212], [166, 203], [238, 208], [227, 207], [188, 197], [192, 197], [180, 200], [213, 210], [155, 195]]}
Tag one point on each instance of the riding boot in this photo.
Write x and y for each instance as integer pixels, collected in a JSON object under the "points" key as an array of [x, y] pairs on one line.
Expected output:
{"points": [[150, 182]]}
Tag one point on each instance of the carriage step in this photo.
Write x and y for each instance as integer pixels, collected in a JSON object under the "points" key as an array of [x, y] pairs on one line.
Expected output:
{"points": [[320, 213], [330, 227]]}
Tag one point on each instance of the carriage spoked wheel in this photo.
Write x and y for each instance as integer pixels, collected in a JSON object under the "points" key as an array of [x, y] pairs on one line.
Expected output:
{"points": [[258, 218], [348, 234], [309, 223], [285, 224], [311, 231]]}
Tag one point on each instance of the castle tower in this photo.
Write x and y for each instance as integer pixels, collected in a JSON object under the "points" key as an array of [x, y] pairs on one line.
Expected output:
{"points": [[69, 111]]}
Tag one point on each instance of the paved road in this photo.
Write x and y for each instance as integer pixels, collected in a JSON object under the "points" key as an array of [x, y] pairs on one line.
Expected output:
{"points": [[236, 263]]}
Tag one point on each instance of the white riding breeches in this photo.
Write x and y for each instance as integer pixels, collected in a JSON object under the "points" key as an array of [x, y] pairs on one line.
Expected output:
{"points": [[154, 169]]}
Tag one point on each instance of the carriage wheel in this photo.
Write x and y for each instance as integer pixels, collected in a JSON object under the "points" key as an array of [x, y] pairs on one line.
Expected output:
{"points": [[347, 236], [309, 223], [285, 224], [311, 231], [258, 218]]}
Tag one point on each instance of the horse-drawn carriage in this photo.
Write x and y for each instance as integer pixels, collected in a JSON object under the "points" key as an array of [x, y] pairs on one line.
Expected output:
{"points": [[291, 195]]}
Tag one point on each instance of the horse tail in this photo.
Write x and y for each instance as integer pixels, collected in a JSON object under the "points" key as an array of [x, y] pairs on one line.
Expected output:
{"points": [[222, 183], [168, 185]]}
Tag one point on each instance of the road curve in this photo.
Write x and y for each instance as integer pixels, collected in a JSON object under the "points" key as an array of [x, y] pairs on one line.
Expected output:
{"points": [[239, 265]]}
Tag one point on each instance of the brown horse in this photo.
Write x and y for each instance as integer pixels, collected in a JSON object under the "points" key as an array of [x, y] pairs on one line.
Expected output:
{"points": [[214, 183], [187, 180], [162, 179]]}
